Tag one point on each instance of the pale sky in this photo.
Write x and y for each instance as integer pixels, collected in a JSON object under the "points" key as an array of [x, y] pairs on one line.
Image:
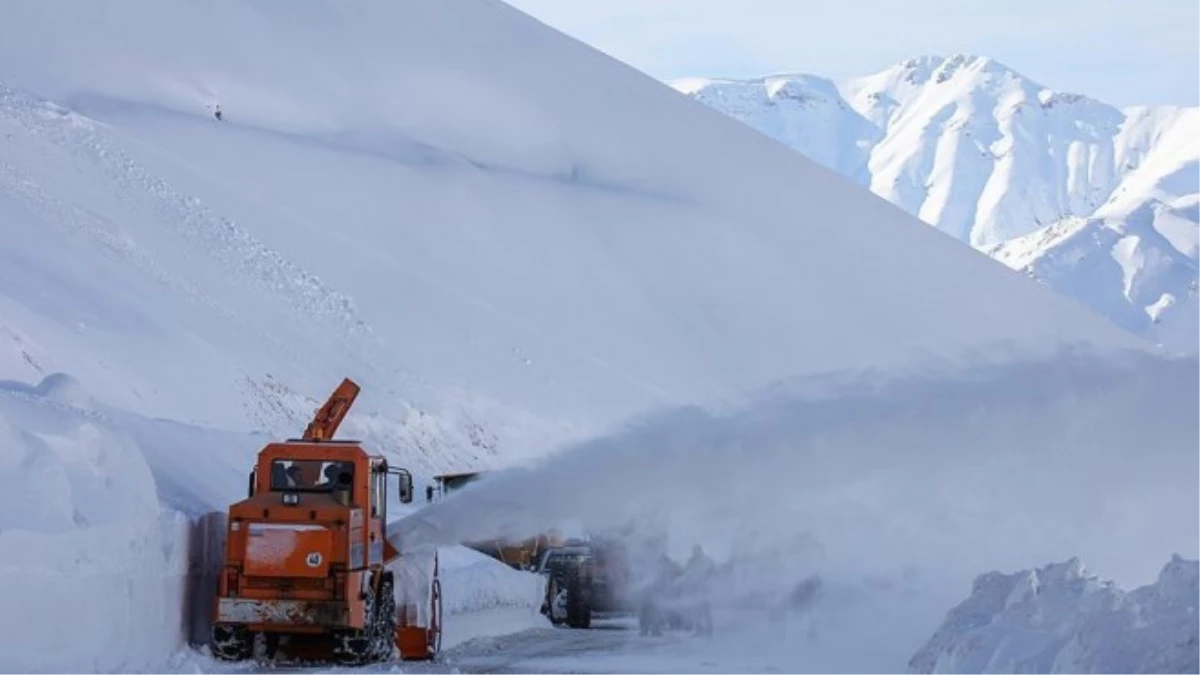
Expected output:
{"points": [[1123, 52]]}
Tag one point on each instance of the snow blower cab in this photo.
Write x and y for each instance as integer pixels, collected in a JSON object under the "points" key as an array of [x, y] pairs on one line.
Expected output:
{"points": [[306, 553]]}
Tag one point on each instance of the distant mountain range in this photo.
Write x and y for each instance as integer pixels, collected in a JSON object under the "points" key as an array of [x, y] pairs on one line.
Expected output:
{"points": [[1098, 202]]}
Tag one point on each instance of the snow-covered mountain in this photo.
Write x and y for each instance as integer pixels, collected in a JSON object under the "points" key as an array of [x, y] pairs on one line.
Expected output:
{"points": [[1097, 202]]}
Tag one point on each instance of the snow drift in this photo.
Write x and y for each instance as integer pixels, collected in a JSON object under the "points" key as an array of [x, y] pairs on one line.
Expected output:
{"points": [[474, 582], [893, 490], [1059, 618]]}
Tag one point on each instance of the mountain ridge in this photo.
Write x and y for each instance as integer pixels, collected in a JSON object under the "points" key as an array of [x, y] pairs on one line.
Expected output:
{"points": [[992, 158]]}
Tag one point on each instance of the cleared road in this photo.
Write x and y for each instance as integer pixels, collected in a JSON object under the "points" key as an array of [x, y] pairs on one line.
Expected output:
{"points": [[742, 643]]}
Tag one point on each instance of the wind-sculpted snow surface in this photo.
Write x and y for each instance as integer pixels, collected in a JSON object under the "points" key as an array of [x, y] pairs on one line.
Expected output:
{"points": [[1059, 618], [864, 502]]}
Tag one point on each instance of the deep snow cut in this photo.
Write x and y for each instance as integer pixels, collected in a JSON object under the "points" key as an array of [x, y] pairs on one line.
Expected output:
{"points": [[422, 197], [893, 491]]}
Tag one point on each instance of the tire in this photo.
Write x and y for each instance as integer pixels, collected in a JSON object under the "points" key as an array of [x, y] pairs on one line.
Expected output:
{"points": [[383, 639], [356, 646], [582, 620], [231, 642], [552, 591], [579, 606]]}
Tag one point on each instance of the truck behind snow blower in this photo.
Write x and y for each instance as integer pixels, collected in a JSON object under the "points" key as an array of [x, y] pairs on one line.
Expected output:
{"points": [[306, 556], [584, 577]]}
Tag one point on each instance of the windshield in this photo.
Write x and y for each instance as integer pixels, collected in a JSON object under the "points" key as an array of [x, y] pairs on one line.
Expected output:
{"points": [[311, 475], [556, 560]]}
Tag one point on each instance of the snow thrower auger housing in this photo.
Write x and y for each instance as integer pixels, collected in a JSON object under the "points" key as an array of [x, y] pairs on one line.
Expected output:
{"points": [[306, 555]]}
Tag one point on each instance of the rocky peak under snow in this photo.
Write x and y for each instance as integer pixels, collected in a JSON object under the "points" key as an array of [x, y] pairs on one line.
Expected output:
{"points": [[1006, 165], [974, 106]]}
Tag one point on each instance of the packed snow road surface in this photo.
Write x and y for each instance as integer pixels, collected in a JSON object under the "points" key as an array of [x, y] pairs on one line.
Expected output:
{"points": [[610, 646], [551, 650]]}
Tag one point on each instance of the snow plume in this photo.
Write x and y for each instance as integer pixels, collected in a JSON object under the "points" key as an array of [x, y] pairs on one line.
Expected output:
{"points": [[859, 507]]}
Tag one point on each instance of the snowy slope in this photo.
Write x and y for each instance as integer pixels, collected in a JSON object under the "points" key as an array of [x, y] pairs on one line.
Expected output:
{"points": [[1060, 618], [440, 223], [1134, 260], [1005, 164]]}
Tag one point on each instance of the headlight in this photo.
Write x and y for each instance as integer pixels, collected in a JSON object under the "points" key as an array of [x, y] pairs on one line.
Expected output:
{"points": [[291, 498]]}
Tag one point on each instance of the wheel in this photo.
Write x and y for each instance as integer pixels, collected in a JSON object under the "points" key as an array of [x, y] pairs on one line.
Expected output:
{"points": [[582, 620], [231, 642], [579, 605], [356, 646], [553, 613], [383, 638], [270, 645]]}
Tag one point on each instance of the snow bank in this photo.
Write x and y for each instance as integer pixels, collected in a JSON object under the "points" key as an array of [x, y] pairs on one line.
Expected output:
{"points": [[102, 529], [1061, 619], [892, 489], [92, 570], [472, 582], [481, 597]]}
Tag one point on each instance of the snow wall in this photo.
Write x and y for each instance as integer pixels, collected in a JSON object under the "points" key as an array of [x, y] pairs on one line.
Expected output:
{"points": [[111, 528], [871, 500], [92, 569]]}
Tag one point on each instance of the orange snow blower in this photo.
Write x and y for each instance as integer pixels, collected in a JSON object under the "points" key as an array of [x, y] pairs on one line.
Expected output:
{"points": [[306, 557]]}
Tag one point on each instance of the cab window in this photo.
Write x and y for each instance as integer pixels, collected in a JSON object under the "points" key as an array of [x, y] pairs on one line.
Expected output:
{"points": [[311, 475]]}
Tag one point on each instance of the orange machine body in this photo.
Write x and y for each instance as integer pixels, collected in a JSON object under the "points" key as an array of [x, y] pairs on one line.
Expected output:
{"points": [[302, 567], [306, 551]]}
